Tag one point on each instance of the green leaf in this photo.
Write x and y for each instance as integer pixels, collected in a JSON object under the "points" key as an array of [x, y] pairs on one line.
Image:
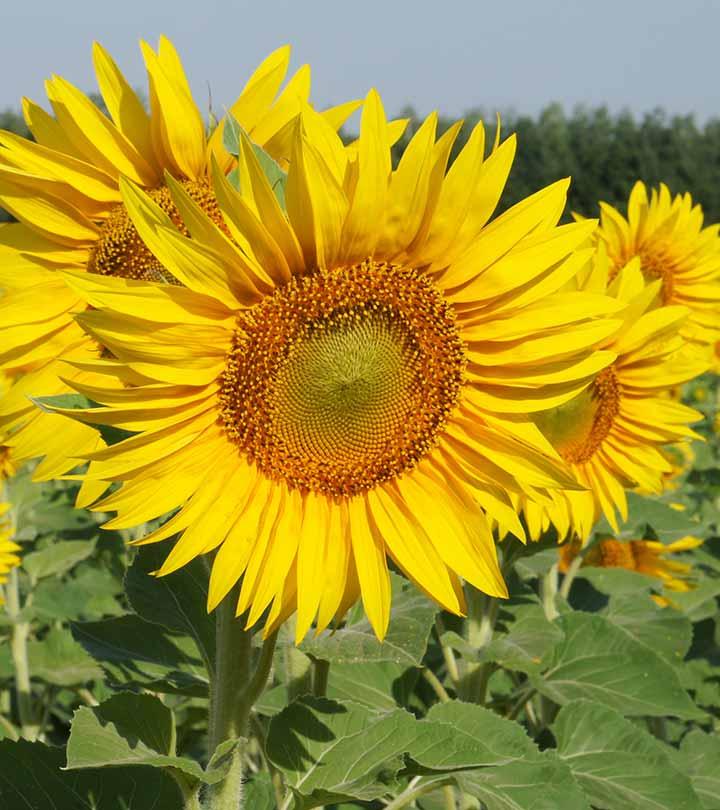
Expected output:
{"points": [[528, 640], [73, 402], [32, 777], [258, 793], [617, 580], [648, 513], [406, 641], [382, 685], [177, 601], [617, 764], [86, 595], [662, 629], [57, 558], [698, 757], [457, 735], [544, 783], [60, 660], [598, 661], [699, 603], [330, 751], [232, 134], [138, 654], [131, 729]]}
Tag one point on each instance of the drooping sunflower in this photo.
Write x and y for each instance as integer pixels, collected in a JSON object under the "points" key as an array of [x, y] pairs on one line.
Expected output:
{"points": [[666, 234], [353, 384], [9, 558], [644, 556], [613, 434], [63, 187]]}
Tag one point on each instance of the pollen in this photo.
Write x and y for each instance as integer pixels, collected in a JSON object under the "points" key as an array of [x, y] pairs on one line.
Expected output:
{"points": [[121, 252], [343, 379], [578, 428]]}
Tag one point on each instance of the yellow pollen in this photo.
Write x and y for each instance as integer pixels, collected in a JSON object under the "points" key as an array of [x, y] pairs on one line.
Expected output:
{"points": [[121, 252], [577, 428], [343, 379], [656, 262]]}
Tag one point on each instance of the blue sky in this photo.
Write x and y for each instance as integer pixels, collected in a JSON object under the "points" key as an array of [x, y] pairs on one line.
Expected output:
{"points": [[451, 55]]}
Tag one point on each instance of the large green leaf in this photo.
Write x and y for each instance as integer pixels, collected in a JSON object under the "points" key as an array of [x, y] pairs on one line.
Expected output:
{"points": [[138, 654], [698, 757], [89, 593], [258, 793], [32, 778], [457, 735], [177, 601], [406, 640], [381, 685], [57, 558], [599, 661], [649, 516], [662, 629], [544, 783], [618, 765], [130, 729], [60, 660], [330, 751]]}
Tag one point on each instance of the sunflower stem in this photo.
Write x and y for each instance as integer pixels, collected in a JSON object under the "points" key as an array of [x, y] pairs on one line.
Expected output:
{"points": [[228, 682], [29, 728], [569, 576], [480, 626], [548, 592]]}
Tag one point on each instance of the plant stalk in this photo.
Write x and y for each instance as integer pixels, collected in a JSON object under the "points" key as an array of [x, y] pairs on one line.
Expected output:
{"points": [[480, 626], [29, 728]]}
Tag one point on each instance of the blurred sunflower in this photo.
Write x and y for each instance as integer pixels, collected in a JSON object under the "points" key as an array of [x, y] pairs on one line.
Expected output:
{"points": [[63, 187], [612, 434], [666, 234], [353, 384], [644, 556], [9, 558]]}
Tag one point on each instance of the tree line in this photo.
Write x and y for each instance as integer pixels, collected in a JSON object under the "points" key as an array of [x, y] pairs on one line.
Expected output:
{"points": [[604, 153]]}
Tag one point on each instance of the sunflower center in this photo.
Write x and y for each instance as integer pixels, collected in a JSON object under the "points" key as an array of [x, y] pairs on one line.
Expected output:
{"points": [[121, 252], [577, 428], [657, 264], [343, 379]]}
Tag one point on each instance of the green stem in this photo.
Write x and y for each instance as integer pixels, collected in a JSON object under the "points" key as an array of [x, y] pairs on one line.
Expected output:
{"points": [[234, 688], [320, 674], [449, 794], [570, 574], [480, 626], [412, 792], [18, 649], [448, 654], [436, 685], [548, 592]]}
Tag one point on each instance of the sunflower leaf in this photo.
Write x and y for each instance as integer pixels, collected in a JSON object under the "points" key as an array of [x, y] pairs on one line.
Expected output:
{"points": [[32, 775], [58, 558], [599, 661], [406, 640], [698, 757], [130, 729], [177, 601], [617, 763], [544, 783], [330, 751]]}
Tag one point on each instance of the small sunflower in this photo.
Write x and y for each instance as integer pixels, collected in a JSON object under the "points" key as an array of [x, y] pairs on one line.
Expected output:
{"points": [[612, 434], [63, 187], [644, 556], [353, 385], [9, 558], [666, 234]]}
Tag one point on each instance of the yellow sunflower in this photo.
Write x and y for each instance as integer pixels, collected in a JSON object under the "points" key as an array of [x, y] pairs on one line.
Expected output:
{"points": [[666, 234], [612, 434], [9, 558], [644, 556], [353, 384], [63, 187]]}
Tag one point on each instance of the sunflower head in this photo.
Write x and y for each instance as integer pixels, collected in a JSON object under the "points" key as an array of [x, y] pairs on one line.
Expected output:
{"points": [[344, 375]]}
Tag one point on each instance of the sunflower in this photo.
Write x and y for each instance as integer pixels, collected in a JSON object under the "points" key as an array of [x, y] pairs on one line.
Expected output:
{"points": [[352, 386], [63, 187], [9, 558], [644, 556], [613, 434], [666, 234]]}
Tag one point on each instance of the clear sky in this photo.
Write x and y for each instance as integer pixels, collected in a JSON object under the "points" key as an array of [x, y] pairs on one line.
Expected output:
{"points": [[451, 55]]}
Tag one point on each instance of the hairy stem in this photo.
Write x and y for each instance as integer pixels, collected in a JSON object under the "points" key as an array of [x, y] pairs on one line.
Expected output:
{"points": [[412, 792], [320, 674], [480, 625], [572, 570], [18, 650], [548, 592]]}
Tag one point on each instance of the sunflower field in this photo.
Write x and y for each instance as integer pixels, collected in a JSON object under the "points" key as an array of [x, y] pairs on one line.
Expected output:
{"points": [[332, 479]]}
